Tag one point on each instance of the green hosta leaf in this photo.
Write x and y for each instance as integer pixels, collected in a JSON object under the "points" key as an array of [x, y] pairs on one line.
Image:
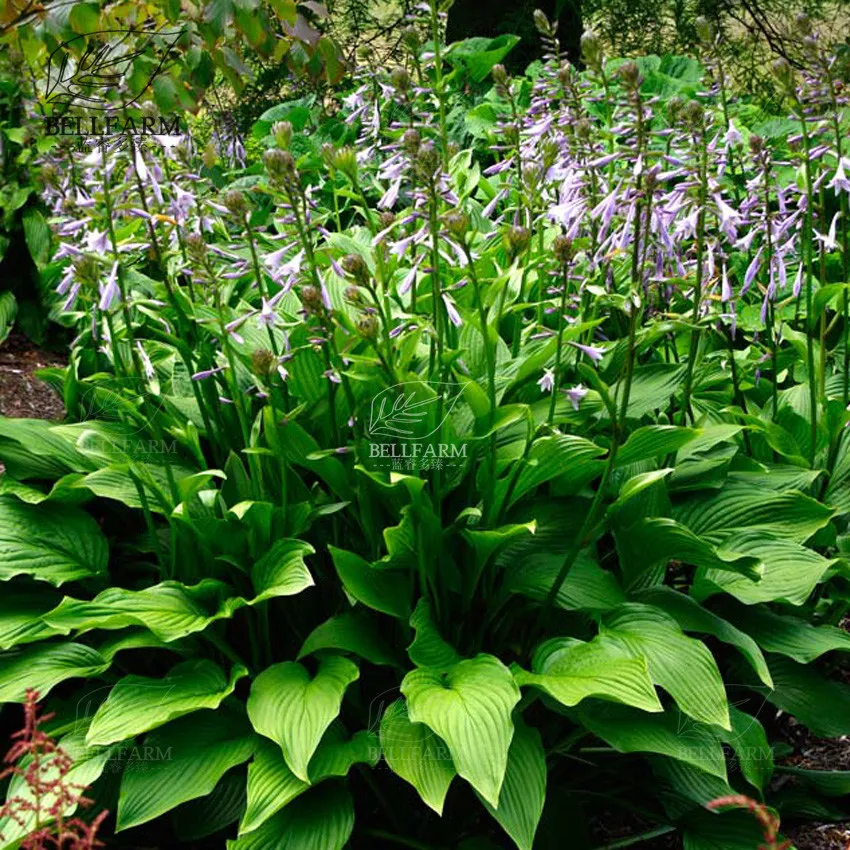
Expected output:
{"points": [[44, 666], [417, 755], [272, 785], [35, 448], [572, 460], [137, 704], [589, 586], [428, 648], [789, 515], [282, 571], [524, 790], [692, 617], [654, 441], [8, 311], [573, 671], [322, 819], [753, 752], [683, 666], [301, 449], [205, 816], [384, 590], [800, 690], [479, 55], [37, 235], [791, 636], [64, 490], [686, 785], [838, 489], [200, 748], [708, 438], [170, 610], [630, 730], [21, 616], [728, 830], [778, 438], [777, 477], [115, 482], [469, 706], [830, 783], [635, 486], [355, 631], [791, 571], [53, 543], [655, 541], [652, 386], [295, 710], [489, 542]]}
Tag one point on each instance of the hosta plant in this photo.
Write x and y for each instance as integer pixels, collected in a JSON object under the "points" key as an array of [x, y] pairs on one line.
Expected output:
{"points": [[456, 476]]}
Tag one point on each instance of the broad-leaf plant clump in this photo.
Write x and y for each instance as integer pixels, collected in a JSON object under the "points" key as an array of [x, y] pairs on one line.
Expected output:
{"points": [[469, 468]]}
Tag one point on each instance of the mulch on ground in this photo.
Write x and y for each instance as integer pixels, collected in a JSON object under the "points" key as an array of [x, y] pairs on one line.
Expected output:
{"points": [[22, 395]]}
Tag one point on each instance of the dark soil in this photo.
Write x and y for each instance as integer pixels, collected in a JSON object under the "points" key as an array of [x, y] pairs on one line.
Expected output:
{"points": [[814, 753], [22, 395]]}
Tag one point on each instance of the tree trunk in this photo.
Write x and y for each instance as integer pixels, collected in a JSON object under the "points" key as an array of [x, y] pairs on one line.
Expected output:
{"points": [[491, 18]]}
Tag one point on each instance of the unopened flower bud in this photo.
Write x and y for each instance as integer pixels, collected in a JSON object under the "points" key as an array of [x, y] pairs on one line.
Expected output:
{"points": [[367, 326], [87, 269], [565, 74], [674, 108], [282, 132], [263, 362], [591, 49], [346, 162], [427, 159], [49, 174], [705, 29], [353, 294], [783, 72], [630, 75], [400, 79], [386, 219], [756, 144], [210, 156], [311, 298], [518, 239], [457, 223], [196, 247], [542, 23], [279, 164], [355, 265], [583, 128], [411, 141], [694, 114], [562, 248], [236, 203], [499, 74], [411, 39]]}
